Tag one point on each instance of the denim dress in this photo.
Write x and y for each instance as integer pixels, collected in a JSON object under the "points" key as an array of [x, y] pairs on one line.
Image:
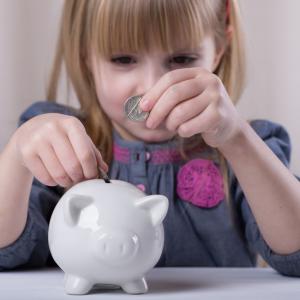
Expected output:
{"points": [[201, 227]]}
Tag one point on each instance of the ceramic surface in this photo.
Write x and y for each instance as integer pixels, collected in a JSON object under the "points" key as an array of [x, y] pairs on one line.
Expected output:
{"points": [[107, 233]]}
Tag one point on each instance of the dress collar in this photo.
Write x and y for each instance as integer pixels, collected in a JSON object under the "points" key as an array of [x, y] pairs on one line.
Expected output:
{"points": [[157, 153]]}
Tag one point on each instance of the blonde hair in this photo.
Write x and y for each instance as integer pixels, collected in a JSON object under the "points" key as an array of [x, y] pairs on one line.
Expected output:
{"points": [[137, 25]]}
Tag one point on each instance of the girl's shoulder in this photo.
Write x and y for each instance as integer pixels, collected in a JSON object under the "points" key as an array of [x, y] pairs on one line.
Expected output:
{"points": [[267, 129], [275, 136], [43, 107]]}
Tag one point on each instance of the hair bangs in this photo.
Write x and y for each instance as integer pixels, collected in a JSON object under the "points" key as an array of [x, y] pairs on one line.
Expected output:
{"points": [[138, 25]]}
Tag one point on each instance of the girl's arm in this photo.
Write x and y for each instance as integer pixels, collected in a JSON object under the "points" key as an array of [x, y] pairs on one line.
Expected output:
{"points": [[190, 101], [15, 185], [56, 150], [273, 193]]}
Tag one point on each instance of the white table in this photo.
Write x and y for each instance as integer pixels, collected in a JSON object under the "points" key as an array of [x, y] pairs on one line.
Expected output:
{"points": [[164, 283]]}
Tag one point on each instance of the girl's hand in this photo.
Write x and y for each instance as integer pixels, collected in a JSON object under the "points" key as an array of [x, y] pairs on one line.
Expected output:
{"points": [[56, 149], [192, 101]]}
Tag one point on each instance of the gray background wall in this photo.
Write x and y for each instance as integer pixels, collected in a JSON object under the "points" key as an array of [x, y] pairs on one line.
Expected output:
{"points": [[28, 31]]}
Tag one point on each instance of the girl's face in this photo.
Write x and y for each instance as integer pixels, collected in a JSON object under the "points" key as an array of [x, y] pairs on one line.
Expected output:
{"points": [[128, 74]]}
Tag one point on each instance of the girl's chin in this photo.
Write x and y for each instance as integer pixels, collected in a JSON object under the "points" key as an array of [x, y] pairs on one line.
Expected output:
{"points": [[155, 135], [137, 133]]}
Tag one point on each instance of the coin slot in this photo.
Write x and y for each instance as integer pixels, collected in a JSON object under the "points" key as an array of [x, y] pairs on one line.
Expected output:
{"points": [[104, 176]]}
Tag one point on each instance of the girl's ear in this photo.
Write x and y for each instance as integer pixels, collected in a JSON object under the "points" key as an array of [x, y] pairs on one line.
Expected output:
{"points": [[220, 52], [218, 56], [88, 62], [87, 58]]}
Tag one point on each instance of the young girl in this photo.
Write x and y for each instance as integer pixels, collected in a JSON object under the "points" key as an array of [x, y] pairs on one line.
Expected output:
{"points": [[231, 195]]}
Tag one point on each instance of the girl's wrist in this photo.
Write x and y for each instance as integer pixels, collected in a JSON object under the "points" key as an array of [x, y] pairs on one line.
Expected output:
{"points": [[238, 142], [11, 153]]}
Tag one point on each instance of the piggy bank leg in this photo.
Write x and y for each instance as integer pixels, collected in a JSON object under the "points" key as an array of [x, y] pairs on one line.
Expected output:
{"points": [[138, 286], [76, 285]]}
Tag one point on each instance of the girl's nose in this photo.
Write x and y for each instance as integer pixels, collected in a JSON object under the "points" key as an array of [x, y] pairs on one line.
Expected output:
{"points": [[149, 77]]}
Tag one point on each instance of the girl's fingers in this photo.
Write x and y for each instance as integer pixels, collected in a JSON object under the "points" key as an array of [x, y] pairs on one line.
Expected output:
{"points": [[67, 157], [99, 159], [166, 81], [83, 150], [53, 165], [208, 120], [38, 169], [175, 94], [187, 110]]}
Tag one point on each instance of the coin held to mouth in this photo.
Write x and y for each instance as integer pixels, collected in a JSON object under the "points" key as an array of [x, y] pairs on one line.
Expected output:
{"points": [[133, 110]]}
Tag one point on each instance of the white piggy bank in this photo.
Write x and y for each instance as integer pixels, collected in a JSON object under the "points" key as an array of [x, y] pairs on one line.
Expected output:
{"points": [[107, 233]]}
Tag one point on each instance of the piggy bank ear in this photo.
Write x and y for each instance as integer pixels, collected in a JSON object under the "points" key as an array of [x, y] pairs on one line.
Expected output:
{"points": [[73, 206], [156, 206]]}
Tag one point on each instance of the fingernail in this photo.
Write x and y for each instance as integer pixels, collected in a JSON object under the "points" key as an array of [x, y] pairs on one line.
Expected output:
{"points": [[144, 104]]}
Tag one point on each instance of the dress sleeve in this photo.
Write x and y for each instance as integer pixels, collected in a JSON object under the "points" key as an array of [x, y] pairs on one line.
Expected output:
{"points": [[277, 139], [31, 248], [43, 107]]}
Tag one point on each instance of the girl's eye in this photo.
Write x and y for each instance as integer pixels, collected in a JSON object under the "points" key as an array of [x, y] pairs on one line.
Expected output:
{"points": [[182, 60], [123, 60]]}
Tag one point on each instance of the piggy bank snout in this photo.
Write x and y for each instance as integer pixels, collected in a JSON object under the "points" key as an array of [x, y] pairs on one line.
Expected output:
{"points": [[116, 246]]}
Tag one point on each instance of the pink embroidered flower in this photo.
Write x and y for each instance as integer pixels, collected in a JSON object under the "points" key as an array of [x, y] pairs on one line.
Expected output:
{"points": [[200, 182]]}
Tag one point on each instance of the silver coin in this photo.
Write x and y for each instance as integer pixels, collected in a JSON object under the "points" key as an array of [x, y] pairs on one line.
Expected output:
{"points": [[133, 110]]}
